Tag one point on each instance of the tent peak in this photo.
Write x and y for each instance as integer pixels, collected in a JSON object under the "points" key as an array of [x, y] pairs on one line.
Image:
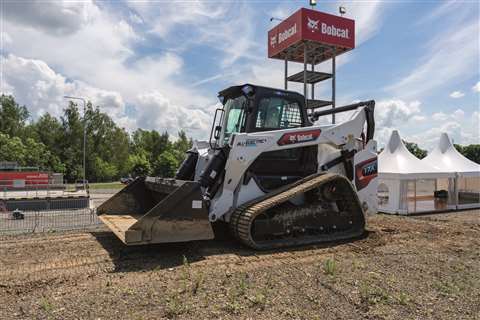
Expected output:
{"points": [[445, 143], [394, 142]]}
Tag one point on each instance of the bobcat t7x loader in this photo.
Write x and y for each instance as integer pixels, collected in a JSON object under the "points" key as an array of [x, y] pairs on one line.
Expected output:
{"points": [[275, 178]]}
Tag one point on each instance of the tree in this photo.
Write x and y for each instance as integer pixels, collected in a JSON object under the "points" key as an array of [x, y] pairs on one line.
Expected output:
{"points": [[48, 130], [12, 116], [181, 146], [166, 165], [106, 144], [152, 142], [56, 144], [12, 149], [104, 171], [415, 150], [138, 165], [29, 153], [38, 155], [471, 152], [71, 145]]}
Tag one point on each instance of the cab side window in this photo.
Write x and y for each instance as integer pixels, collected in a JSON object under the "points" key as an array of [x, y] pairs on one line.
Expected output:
{"points": [[278, 113]]}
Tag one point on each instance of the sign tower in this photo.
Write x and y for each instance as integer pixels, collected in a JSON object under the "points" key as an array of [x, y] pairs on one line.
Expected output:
{"points": [[311, 37]]}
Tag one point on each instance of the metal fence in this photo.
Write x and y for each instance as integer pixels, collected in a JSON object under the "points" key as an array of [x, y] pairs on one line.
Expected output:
{"points": [[60, 219], [9, 190]]}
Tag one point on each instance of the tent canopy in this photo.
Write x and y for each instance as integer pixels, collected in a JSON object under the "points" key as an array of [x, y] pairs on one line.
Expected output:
{"points": [[395, 161], [445, 157]]}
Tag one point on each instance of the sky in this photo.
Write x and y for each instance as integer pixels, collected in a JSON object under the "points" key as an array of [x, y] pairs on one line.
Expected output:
{"points": [[160, 64]]}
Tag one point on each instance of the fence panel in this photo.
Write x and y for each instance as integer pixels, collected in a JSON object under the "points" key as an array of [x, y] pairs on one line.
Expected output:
{"points": [[65, 215]]}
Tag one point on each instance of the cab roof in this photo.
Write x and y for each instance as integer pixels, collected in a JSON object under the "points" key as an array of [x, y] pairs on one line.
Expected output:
{"points": [[235, 91]]}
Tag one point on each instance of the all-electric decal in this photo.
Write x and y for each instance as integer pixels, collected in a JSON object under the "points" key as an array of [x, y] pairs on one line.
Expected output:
{"points": [[251, 142]]}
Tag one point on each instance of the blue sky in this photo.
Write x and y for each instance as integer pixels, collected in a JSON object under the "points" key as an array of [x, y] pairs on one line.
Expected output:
{"points": [[159, 64]]}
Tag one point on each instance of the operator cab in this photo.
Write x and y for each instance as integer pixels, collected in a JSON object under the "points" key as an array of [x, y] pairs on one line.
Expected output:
{"points": [[249, 108]]}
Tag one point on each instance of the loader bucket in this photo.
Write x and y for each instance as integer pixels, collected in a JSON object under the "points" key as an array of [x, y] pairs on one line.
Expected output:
{"points": [[157, 210]]}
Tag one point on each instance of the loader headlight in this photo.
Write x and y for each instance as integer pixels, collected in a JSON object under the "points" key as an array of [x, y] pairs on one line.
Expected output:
{"points": [[248, 90]]}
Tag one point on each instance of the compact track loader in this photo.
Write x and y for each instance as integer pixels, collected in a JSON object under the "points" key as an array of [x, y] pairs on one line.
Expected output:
{"points": [[267, 171]]}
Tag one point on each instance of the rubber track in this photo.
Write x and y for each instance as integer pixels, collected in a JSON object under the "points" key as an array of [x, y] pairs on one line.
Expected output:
{"points": [[243, 217]]}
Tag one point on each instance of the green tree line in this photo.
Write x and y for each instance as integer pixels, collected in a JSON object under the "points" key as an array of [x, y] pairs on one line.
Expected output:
{"points": [[471, 151], [56, 144]]}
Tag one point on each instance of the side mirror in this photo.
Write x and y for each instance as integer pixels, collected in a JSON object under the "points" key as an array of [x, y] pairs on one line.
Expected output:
{"points": [[216, 134]]}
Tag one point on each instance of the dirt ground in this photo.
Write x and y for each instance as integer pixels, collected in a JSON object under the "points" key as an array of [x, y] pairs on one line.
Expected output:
{"points": [[424, 267]]}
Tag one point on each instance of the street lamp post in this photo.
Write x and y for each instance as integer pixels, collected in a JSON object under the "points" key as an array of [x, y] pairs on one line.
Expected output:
{"points": [[84, 134]]}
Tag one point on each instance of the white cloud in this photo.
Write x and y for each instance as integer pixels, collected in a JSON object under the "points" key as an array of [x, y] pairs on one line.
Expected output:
{"points": [[421, 128], [418, 118], [164, 17], [368, 18], [463, 128], [98, 46], [135, 18], [35, 84], [458, 114], [393, 112], [156, 111], [465, 131], [440, 11], [439, 116], [459, 45], [55, 17], [93, 58], [226, 27], [91, 49], [476, 87], [5, 38], [456, 94]]}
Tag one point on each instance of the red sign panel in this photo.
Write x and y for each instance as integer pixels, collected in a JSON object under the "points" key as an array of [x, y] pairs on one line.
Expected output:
{"points": [[299, 137], [7, 177], [311, 25]]}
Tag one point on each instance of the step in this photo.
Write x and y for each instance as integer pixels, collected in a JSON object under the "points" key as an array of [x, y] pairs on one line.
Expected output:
{"points": [[312, 76]]}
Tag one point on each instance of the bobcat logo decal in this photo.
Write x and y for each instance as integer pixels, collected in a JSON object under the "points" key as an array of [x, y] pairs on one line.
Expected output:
{"points": [[312, 24]]}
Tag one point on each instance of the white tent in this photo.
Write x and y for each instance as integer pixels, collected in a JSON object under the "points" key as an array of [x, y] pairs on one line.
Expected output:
{"points": [[409, 185], [467, 185]]}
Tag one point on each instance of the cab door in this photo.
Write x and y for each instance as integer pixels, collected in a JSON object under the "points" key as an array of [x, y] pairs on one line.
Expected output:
{"points": [[276, 168]]}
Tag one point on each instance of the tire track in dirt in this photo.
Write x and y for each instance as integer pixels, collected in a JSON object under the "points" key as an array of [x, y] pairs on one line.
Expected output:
{"points": [[41, 240], [99, 259], [55, 255], [55, 267]]}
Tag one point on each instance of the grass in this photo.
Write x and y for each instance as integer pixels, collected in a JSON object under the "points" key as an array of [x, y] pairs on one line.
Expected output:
{"points": [[198, 283], [174, 307], [372, 295], [403, 299], [259, 299], [46, 305], [106, 185], [242, 285], [446, 288], [330, 267], [185, 275]]}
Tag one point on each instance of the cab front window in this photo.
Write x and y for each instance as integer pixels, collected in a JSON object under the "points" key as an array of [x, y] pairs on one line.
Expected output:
{"points": [[235, 116]]}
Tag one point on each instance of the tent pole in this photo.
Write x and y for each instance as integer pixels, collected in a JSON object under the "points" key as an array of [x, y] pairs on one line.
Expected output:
{"points": [[415, 195]]}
